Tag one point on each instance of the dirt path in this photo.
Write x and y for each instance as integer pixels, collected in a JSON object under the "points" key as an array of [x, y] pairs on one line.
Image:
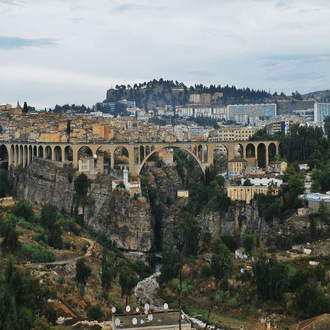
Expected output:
{"points": [[65, 262]]}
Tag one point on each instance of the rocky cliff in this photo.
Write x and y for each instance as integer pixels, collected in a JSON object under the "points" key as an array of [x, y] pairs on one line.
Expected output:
{"points": [[124, 221]]}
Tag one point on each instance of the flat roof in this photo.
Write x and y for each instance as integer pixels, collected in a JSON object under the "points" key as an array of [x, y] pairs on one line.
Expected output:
{"points": [[159, 319]]}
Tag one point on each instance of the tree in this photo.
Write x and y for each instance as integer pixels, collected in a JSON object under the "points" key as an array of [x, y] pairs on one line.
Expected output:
{"points": [[9, 233], [311, 300], [171, 263], [94, 312], [55, 237], [83, 271], [25, 108], [41, 323], [48, 215], [21, 297], [109, 272], [22, 209], [323, 212], [127, 282], [221, 262], [4, 183], [271, 277], [192, 230]]}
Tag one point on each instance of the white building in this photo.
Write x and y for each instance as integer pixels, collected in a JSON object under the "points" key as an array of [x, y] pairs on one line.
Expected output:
{"points": [[321, 111]]}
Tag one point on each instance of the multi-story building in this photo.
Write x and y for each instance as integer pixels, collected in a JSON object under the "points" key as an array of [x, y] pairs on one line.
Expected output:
{"points": [[321, 111]]}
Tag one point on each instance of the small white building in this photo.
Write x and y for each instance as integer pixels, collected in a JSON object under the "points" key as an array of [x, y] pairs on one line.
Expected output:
{"points": [[263, 179], [134, 187]]}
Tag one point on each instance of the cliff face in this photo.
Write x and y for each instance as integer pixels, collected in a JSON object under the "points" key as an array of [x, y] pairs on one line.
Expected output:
{"points": [[124, 221], [128, 223]]}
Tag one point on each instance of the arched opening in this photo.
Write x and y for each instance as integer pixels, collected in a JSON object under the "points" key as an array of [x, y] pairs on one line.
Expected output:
{"points": [[104, 153], [20, 155], [48, 152], [68, 154], [12, 155], [205, 153], [25, 156], [200, 151], [30, 154], [35, 151], [136, 154], [166, 156], [220, 157], [121, 158], [3, 157], [238, 151], [58, 153], [41, 152], [250, 150], [271, 152], [261, 155], [141, 153], [147, 150], [85, 152], [16, 155]]}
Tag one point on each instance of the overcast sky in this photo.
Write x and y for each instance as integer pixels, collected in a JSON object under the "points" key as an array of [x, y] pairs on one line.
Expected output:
{"points": [[72, 51]]}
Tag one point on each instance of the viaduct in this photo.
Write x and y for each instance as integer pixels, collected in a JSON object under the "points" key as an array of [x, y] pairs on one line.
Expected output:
{"points": [[22, 153]]}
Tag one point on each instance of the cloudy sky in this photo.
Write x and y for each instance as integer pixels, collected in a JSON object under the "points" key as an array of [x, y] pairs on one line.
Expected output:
{"points": [[72, 51]]}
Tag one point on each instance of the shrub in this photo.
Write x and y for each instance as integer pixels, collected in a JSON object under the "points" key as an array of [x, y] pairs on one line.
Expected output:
{"points": [[39, 229], [20, 232], [37, 253], [40, 237], [25, 224], [206, 271], [95, 312], [67, 245], [311, 300], [22, 209]]}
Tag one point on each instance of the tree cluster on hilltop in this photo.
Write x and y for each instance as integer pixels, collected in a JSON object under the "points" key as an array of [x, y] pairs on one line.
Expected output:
{"points": [[161, 92]]}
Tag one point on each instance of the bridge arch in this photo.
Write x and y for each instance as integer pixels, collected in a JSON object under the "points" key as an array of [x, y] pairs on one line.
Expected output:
{"points": [[4, 157], [171, 146]]}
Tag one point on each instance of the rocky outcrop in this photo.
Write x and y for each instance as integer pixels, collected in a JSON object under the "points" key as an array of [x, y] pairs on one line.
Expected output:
{"points": [[167, 182], [126, 222]]}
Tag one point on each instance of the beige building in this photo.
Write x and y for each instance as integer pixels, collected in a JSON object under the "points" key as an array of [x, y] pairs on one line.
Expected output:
{"points": [[236, 167], [91, 166], [246, 193], [278, 166], [231, 133]]}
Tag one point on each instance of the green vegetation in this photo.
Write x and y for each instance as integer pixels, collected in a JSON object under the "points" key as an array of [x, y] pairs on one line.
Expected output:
{"points": [[23, 209], [9, 233], [4, 184], [22, 297], [95, 312], [83, 271], [49, 214], [37, 253]]}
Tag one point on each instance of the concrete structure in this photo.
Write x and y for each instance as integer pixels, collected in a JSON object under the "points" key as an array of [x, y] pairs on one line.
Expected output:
{"points": [[22, 153], [321, 110], [159, 321], [183, 193], [236, 167], [263, 179], [314, 200]]}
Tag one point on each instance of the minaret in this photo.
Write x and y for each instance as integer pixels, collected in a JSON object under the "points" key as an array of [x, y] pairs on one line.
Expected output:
{"points": [[125, 177]]}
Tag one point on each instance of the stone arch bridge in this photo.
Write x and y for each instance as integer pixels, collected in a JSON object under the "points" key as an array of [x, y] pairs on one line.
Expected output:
{"points": [[137, 153]]}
